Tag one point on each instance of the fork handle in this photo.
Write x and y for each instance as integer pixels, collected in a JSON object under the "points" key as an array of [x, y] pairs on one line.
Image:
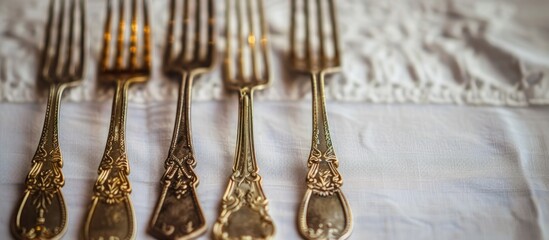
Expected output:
{"points": [[245, 161], [324, 212], [321, 131], [42, 213], [111, 214], [181, 145], [322, 142], [244, 207], [178, 214]]}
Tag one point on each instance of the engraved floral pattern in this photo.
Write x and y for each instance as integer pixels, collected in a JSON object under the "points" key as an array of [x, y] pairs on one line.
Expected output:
{"points": [[114, 190], [112, 185], [179, 175], [47, 182], [324, 181]]}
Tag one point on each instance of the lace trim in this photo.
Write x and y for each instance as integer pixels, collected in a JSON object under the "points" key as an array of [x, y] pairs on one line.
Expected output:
{"points": [[419, 51]]}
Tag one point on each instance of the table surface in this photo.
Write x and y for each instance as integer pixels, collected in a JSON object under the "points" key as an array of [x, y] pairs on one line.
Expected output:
{"points": [[432, 172]]}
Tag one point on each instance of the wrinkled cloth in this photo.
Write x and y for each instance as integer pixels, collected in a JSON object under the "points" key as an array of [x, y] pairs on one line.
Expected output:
{"points": [[431, 172]]}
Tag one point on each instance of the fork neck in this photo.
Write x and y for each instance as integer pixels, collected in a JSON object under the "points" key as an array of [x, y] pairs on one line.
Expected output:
{"points": [[49, 138], [181, 140], [321, 132], [116, 138], [245, 161]]}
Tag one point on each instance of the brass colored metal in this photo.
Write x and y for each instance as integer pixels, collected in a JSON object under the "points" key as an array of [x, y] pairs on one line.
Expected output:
{"points": [[42, 212], [244, 207], [111, 214], [178, 214], [324, 212]]}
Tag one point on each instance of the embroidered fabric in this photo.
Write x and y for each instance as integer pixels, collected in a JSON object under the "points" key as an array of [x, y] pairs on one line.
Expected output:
{"points": [[394, 51]]}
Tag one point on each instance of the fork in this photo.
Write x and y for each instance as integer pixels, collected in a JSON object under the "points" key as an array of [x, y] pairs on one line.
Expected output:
{"points": [[178, 214], [324, 212], [42, 212], [244, 207], [111, 214]]}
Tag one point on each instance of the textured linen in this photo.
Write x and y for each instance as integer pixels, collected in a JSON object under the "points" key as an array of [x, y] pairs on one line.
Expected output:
{"points": [[421, 51], [410, 172]]}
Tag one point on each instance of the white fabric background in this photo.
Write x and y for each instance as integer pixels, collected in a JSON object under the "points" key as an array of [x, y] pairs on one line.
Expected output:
{"points": [[421, 172]]}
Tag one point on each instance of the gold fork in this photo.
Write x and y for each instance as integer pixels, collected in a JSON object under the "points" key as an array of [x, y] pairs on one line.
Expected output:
{"points": [[324, 212], [244, 207], [111, 213], [178, 214], [42, 212]]}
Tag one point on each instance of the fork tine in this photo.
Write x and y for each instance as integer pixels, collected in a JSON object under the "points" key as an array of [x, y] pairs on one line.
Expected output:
{"points": [[197, 30], [55, 62], [211, 33], [293, 28], [308, 47], [121, 31], [264, 42], [46, 59], [105, 62], [184, 35], [68, 59], [147, 37], [250, 36], [251, 40], [80, 68], [240, 38], [227, 64], [133, 37], [170, 40], [322, 53], [333, 17]]}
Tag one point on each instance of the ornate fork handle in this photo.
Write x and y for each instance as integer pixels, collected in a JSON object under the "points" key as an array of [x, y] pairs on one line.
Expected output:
{"points": [[244, 204], [111, 214], [42, 213], [178, 214], [322, 157], [324, 211]]}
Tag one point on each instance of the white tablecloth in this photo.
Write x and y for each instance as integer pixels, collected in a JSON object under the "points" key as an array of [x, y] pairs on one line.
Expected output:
{"points": [[410, 172]]}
